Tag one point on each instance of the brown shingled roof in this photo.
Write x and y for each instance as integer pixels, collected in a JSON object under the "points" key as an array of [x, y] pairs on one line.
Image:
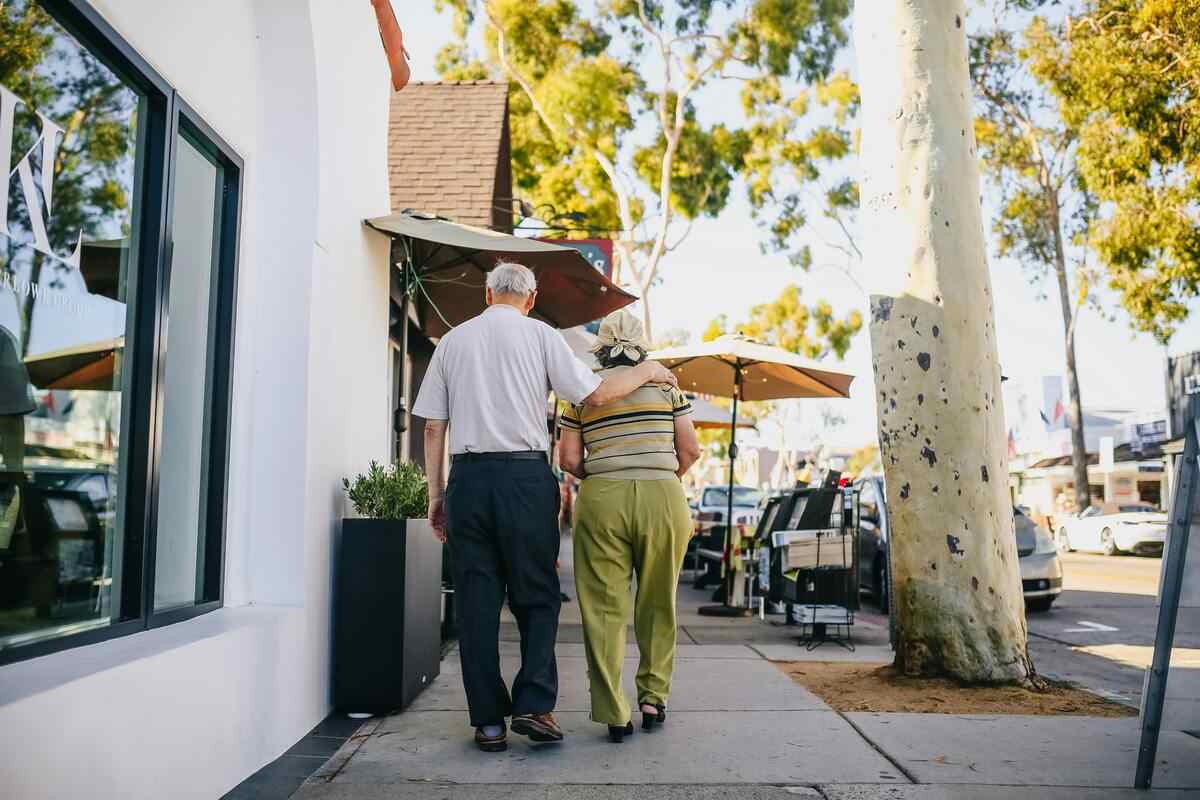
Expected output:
{"points": [[448, 150]]}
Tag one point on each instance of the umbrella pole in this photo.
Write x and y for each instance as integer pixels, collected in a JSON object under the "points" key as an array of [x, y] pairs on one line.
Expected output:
{"points": [[725, 609], [730, 572]]}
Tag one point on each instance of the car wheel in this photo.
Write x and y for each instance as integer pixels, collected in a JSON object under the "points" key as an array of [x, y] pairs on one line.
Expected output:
{"points": [[1110, 546], [1039, 603], [881, 586], [1064, 541]]}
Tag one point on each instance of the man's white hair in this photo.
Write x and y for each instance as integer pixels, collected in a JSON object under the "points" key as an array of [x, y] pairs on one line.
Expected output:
{"points": [[512, 279]]}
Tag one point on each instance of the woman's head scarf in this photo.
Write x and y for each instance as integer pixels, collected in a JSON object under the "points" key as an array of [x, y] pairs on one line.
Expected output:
{"points": [[621, 332]]}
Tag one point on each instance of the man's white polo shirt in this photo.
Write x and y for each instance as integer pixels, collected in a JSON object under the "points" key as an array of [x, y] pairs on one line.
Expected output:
{"points": [[490, 377]]}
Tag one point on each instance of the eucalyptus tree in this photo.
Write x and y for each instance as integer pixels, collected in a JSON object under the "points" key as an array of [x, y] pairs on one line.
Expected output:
{"points": [[955, 577]]}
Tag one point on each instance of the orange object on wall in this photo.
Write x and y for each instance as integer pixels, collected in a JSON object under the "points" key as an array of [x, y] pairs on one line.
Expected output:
{"points": [[393, 43]]}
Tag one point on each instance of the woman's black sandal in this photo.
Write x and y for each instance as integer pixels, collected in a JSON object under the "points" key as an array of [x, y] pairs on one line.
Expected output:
{"points": [[649, 721], [617, 733]]}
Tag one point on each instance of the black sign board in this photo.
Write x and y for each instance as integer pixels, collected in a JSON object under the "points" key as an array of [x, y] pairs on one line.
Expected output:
{"points": [[1148, 434], [1183, 383]]}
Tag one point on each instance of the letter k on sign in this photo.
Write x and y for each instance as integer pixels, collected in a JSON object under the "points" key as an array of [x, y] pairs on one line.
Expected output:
{"points": [[24, 173]]}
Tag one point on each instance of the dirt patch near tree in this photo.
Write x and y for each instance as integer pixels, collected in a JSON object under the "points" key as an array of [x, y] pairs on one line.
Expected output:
{"points": [[868, 687]]}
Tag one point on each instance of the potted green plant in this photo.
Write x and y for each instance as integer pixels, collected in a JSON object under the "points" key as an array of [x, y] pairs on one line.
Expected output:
{"points": [[396, 492], [387, 592]]}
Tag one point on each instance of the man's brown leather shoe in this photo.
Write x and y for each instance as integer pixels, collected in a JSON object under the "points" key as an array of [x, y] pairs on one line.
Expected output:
{"points": [[491, 744], [538, 727]]}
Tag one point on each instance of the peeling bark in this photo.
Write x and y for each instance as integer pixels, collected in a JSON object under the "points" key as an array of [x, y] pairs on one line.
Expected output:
{"points": [[920, 196]]}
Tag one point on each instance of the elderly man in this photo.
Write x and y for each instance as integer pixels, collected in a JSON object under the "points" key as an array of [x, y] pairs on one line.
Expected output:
{"points": [[487, 383]]}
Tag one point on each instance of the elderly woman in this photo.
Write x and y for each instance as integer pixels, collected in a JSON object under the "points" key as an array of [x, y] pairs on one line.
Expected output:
{"points": [[631, 516]]}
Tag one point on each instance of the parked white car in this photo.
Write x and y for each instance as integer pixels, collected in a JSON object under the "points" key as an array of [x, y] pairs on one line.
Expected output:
{"points": [[714, 505], [1113, 529], [709, 515]]}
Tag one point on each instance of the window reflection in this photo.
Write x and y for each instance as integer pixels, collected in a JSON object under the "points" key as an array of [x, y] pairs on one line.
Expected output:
{"points": [[179, 551], [69, 128]]}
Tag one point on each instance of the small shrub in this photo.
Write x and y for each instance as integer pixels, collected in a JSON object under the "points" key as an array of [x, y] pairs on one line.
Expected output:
{"points": [[397, 491]]}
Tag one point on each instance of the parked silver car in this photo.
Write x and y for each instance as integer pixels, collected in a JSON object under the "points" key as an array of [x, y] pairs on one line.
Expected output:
{"points": [[1041, 567]]}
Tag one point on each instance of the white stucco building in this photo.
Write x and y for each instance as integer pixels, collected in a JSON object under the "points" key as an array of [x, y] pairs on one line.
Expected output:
{"points": [[245, 144]]}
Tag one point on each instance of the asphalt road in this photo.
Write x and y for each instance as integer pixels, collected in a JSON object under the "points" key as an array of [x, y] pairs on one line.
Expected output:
{"points": [[1100, 633]]}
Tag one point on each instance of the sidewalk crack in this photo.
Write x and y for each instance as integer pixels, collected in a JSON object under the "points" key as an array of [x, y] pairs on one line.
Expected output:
{"points": [[760, 653], [895, 763]]}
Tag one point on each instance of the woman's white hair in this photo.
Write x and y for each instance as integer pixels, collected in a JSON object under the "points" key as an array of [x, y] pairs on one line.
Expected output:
{"points": [[511, 279]]}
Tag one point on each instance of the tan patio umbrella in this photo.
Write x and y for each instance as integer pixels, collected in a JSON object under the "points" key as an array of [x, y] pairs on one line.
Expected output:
{"points": [[742, 369], [737, 367]]}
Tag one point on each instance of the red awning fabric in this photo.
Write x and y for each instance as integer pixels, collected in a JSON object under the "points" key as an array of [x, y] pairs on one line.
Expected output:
{"points": [[393, 43]]}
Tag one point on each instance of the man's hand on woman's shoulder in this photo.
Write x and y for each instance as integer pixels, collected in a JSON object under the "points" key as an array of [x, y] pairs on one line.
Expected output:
{"points": [[660, 374], [622, 382]]}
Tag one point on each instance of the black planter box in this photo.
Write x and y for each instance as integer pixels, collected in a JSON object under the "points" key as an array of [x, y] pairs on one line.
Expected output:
{"points": [[386, 618]]}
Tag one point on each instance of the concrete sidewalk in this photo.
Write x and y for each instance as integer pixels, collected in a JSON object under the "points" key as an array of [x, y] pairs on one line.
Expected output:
{"points": [[739, 727]]}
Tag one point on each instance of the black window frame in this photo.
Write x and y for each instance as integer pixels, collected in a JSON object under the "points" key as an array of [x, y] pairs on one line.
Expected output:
{"points": [[167, 116]]}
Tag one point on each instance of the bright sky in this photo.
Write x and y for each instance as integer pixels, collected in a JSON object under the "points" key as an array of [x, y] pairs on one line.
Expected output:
{"points": [[719, 269]]}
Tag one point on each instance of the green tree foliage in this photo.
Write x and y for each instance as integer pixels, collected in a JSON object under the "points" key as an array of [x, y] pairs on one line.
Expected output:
{"points": [[606, 108], [787, 322], [788, 158], [1126, 74]]}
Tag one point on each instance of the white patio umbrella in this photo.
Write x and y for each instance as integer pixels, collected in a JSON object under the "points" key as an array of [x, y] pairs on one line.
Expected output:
{"points": [[742, 369]]}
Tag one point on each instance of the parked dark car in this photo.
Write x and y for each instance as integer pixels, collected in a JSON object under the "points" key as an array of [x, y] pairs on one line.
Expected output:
{"points": [[1041, 568]]}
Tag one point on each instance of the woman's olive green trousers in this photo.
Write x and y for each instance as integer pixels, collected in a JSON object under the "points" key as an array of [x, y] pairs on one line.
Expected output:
{"points": [[623, 528]]}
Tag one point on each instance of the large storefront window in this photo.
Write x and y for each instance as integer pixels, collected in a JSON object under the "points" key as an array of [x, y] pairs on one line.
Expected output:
{"points": [[117, 251], [68, 126]]}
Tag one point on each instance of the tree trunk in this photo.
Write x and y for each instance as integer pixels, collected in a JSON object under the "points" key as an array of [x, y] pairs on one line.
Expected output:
{"points": [[645, 306], [956, 582], [1079, 456]]}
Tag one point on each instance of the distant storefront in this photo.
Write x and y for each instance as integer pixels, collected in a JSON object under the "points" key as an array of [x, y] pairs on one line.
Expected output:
{"points": [[1047, 486], [193, 328]]}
